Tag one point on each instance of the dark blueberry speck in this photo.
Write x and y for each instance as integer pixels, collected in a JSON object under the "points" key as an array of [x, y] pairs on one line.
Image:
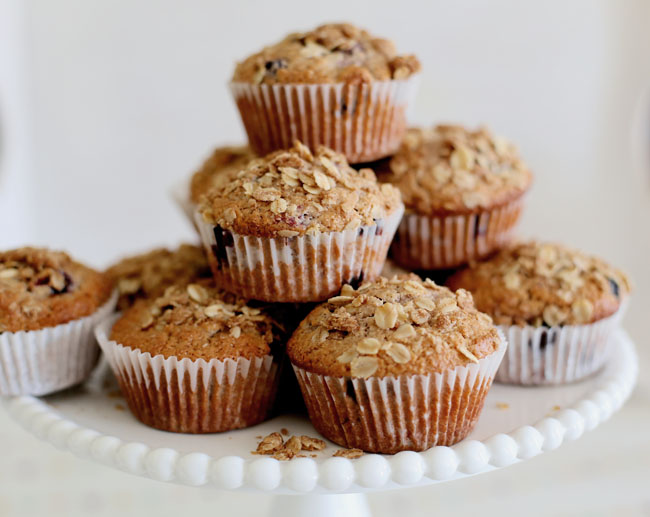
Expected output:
{"points": [[614, 287], [349, 390], [67, 284], [274, 65], [546, 337], [478, 230], [223, 239], [360, 231], [349, 110], [543, 340], [357, 281]]}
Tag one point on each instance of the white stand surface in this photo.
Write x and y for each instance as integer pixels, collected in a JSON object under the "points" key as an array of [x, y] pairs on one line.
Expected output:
{"points": [[517, 423]]}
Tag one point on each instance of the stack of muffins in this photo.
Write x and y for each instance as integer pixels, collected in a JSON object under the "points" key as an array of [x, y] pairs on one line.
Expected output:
{"points": [[294, 242]]}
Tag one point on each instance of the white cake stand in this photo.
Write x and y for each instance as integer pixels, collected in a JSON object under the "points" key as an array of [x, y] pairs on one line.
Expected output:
{"points": [[517, 423]]}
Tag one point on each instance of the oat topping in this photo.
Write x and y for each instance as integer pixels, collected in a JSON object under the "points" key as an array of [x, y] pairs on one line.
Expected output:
{"points": [[275, 446], [42, 288], [217, 169], [197, 320], [544, 284], [331, 53], [350, 454], [452, 169], [390, 327], [149, 274], [294, 192]]}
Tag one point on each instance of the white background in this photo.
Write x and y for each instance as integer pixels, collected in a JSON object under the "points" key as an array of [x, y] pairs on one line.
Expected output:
{"points": [[104, 105]]}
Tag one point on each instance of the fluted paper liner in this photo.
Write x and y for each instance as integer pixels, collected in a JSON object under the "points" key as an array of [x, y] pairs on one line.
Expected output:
{"points": [[364, 122], [40, 362], [406, 412], [556, 355], [441, 242], [305, 268], [191, 396]]}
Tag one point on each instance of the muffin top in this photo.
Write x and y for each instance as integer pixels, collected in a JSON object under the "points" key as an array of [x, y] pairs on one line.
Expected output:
{"points": [[217, 168], [332, 53], [543, 284], [149, 274], [449, 169], [196, 321], [42, 288], [294, 192], [393, 327]]}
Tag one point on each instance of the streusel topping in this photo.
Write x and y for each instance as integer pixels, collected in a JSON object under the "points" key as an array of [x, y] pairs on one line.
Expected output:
{"points": [[294, 192], [332, 53], [43, 288], [217, 168], [295, 446], [543, 284], [452, 169], [196, 320], [149, 274], [393, 327]]}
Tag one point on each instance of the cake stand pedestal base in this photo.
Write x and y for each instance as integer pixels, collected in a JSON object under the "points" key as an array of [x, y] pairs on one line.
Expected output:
{"points": [[340, 505]]}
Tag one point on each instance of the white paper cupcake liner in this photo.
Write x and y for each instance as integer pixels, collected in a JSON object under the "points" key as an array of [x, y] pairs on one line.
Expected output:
{"points": [[556, 355], [441, 242], [306, 268], [40, 362], [407, 412], [364, 122], [191, 396]]}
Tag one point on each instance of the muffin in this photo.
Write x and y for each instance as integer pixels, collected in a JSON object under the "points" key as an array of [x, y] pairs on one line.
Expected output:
{"points": [[396, 365], [463, 192], [295, 226], [557, 307], [148, 275], [49, 304], [194, 360], [336, 85]]}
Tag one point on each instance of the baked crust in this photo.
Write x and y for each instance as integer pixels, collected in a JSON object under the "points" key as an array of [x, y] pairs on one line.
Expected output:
{"points": [[196, 321], [393, 327], [149, 274], [543, 284], [449, 169], [43, 288], [331, 53], [294, 192]]}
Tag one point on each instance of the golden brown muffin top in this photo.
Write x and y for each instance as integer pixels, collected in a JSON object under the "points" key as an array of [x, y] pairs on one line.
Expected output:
{"points": [[43, 288], [393, 327], [450, 169], [222, 162], [543, 284], [196, 321], [294, 192], [331, 53], [149, 274]]}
